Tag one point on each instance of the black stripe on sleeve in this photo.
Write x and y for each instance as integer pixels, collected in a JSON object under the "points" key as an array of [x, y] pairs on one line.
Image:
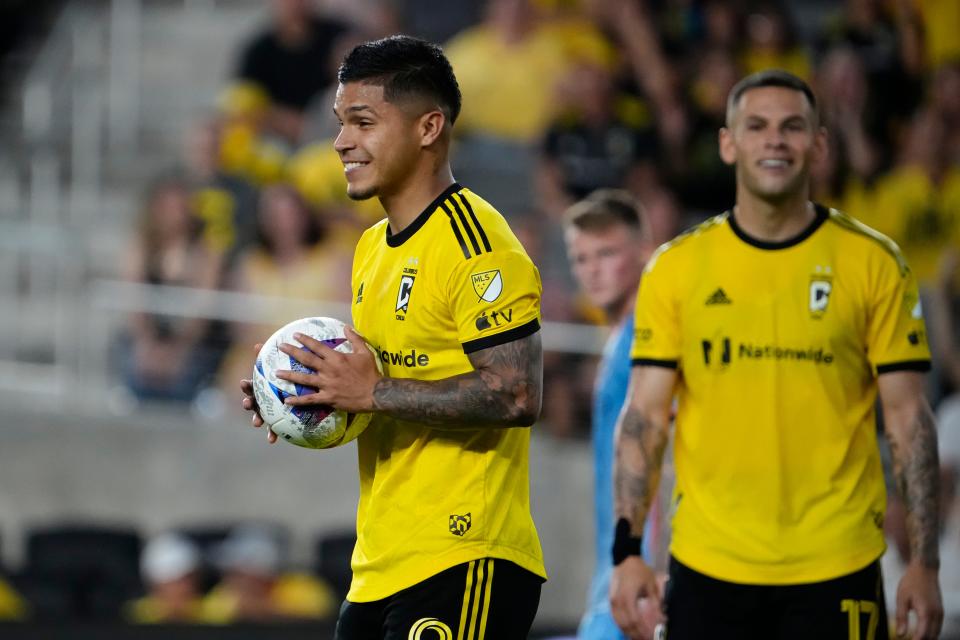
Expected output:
{"points": [[476, 223], [905, 365], [653, 362], [456, 232], [504, 337], [463, 223]]}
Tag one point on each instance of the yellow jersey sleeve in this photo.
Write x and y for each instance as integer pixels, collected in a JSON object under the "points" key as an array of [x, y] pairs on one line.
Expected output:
{"points": [[656, 333], [896, 335], [495, 299]]}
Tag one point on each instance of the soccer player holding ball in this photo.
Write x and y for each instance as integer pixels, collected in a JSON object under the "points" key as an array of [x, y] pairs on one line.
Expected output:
{"points": [[777, 325], [450, 302]]}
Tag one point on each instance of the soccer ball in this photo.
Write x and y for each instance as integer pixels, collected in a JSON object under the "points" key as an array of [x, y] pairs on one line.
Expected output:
{"points": [[314, 427]]}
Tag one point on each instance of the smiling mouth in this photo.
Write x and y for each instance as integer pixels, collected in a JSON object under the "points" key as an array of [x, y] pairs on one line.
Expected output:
{"points": [[775, 163], [350, 166]]}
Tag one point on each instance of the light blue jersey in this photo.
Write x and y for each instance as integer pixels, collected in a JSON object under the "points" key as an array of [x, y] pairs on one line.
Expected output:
{"points": [[610, 391]]}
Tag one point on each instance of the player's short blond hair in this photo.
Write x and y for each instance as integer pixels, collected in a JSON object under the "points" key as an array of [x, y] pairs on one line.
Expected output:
{"points": [[606, 208]]}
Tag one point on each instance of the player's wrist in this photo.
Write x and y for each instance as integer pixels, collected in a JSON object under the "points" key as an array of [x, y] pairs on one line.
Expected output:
{"points": [[624, 543]]}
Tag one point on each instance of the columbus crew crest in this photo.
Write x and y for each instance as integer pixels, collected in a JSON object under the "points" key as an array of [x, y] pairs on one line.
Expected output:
{"points": [[459, 525], [821, 284], [403, 294]]}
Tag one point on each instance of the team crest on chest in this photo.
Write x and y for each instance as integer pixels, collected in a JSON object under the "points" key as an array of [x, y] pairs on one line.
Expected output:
{"points": [[821, 285], [406, 288]]}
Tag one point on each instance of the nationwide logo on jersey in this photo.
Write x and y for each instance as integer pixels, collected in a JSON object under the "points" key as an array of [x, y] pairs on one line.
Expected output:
{"points": [[718, 297], [459, 525], [487, 285]]}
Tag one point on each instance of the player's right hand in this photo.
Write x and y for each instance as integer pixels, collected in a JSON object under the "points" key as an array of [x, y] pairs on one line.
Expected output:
{"points": [[632, 581], [249, 403]]}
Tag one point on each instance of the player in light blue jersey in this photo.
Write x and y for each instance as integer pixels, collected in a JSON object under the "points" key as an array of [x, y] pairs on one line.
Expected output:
{"points": [[608, 243]]}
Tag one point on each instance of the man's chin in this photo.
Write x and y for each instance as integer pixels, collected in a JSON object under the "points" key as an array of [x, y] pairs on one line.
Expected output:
{"points": [[361, 194]]}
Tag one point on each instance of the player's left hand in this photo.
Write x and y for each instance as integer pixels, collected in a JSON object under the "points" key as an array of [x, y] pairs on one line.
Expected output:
{"points": [[919, 592], [344, 381]]}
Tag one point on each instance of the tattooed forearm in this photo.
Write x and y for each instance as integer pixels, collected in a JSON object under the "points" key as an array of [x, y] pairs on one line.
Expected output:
{"points": [[504, 389], [640, 447], [917, 470]]}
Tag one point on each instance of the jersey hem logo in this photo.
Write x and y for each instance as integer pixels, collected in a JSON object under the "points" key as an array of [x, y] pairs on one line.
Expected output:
{"points": [[488, 285], [459, 525], [718, 297]]}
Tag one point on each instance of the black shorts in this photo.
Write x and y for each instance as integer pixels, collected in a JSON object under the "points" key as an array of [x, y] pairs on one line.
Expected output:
{"points": [[488, 599], [850, 607]]}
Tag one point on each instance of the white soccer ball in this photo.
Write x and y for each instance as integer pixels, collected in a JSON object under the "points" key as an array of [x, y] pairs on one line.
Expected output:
{"points": [[314, 427]]}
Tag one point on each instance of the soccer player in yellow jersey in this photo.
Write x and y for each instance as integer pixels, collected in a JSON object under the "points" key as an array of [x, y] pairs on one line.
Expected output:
{"points": [[444, 292], [776, 325]]}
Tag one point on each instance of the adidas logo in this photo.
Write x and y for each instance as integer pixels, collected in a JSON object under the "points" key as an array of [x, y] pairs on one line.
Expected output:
{"points": [[718, 297]]}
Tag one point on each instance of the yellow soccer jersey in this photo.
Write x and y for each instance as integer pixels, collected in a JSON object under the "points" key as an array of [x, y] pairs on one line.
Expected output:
{"points": [[455, 281], [778, 348]]}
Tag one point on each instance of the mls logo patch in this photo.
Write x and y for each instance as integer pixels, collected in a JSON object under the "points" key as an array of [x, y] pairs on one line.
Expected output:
{"points": [[487, 285], [819, 297], [403, 295]]}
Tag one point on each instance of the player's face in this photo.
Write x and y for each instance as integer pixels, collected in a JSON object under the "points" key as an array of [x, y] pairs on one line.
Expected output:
{"points": [[606, 263], [773, 140], [378, 141]]}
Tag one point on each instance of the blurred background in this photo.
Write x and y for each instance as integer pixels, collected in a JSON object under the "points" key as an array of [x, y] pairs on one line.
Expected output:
{"points": [[169, 195]]}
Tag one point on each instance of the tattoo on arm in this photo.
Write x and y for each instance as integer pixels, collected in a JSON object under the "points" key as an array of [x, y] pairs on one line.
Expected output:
{"points": [[917, 470], [640, 448], [504, 389]]}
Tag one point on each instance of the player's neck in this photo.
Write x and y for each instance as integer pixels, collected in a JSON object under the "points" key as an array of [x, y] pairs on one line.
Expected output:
{"points": [[773, 222], [405, 205], [618, 314]]}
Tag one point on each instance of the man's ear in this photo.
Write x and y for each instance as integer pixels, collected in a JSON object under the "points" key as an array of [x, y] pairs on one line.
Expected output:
{"points": [[821, 149], [431, 127], [728, 150]]}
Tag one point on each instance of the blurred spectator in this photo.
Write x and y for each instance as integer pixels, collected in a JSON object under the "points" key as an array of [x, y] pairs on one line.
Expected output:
{"points": [[516, 102], [846, 109], [593, 146], [438, 20], [170, 567], [288, 63], [937, 20], [945, 102], [12, 606], [165, 357], [665, 216], [297, 257], [254, 587], [886, 44], [771, 42], [225, 203], [917, 203], [317, 173], [699, 177]]}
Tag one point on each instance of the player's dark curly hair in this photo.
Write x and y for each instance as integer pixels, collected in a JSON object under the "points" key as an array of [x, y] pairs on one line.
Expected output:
{"points": [[405, 67]]}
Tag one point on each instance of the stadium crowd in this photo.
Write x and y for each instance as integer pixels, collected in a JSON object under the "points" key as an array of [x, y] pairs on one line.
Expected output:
{"points": [[561, 98]]}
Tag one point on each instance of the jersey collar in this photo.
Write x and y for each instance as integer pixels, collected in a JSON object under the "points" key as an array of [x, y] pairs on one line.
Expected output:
{"points": [[821, 216], [395, 240]]}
